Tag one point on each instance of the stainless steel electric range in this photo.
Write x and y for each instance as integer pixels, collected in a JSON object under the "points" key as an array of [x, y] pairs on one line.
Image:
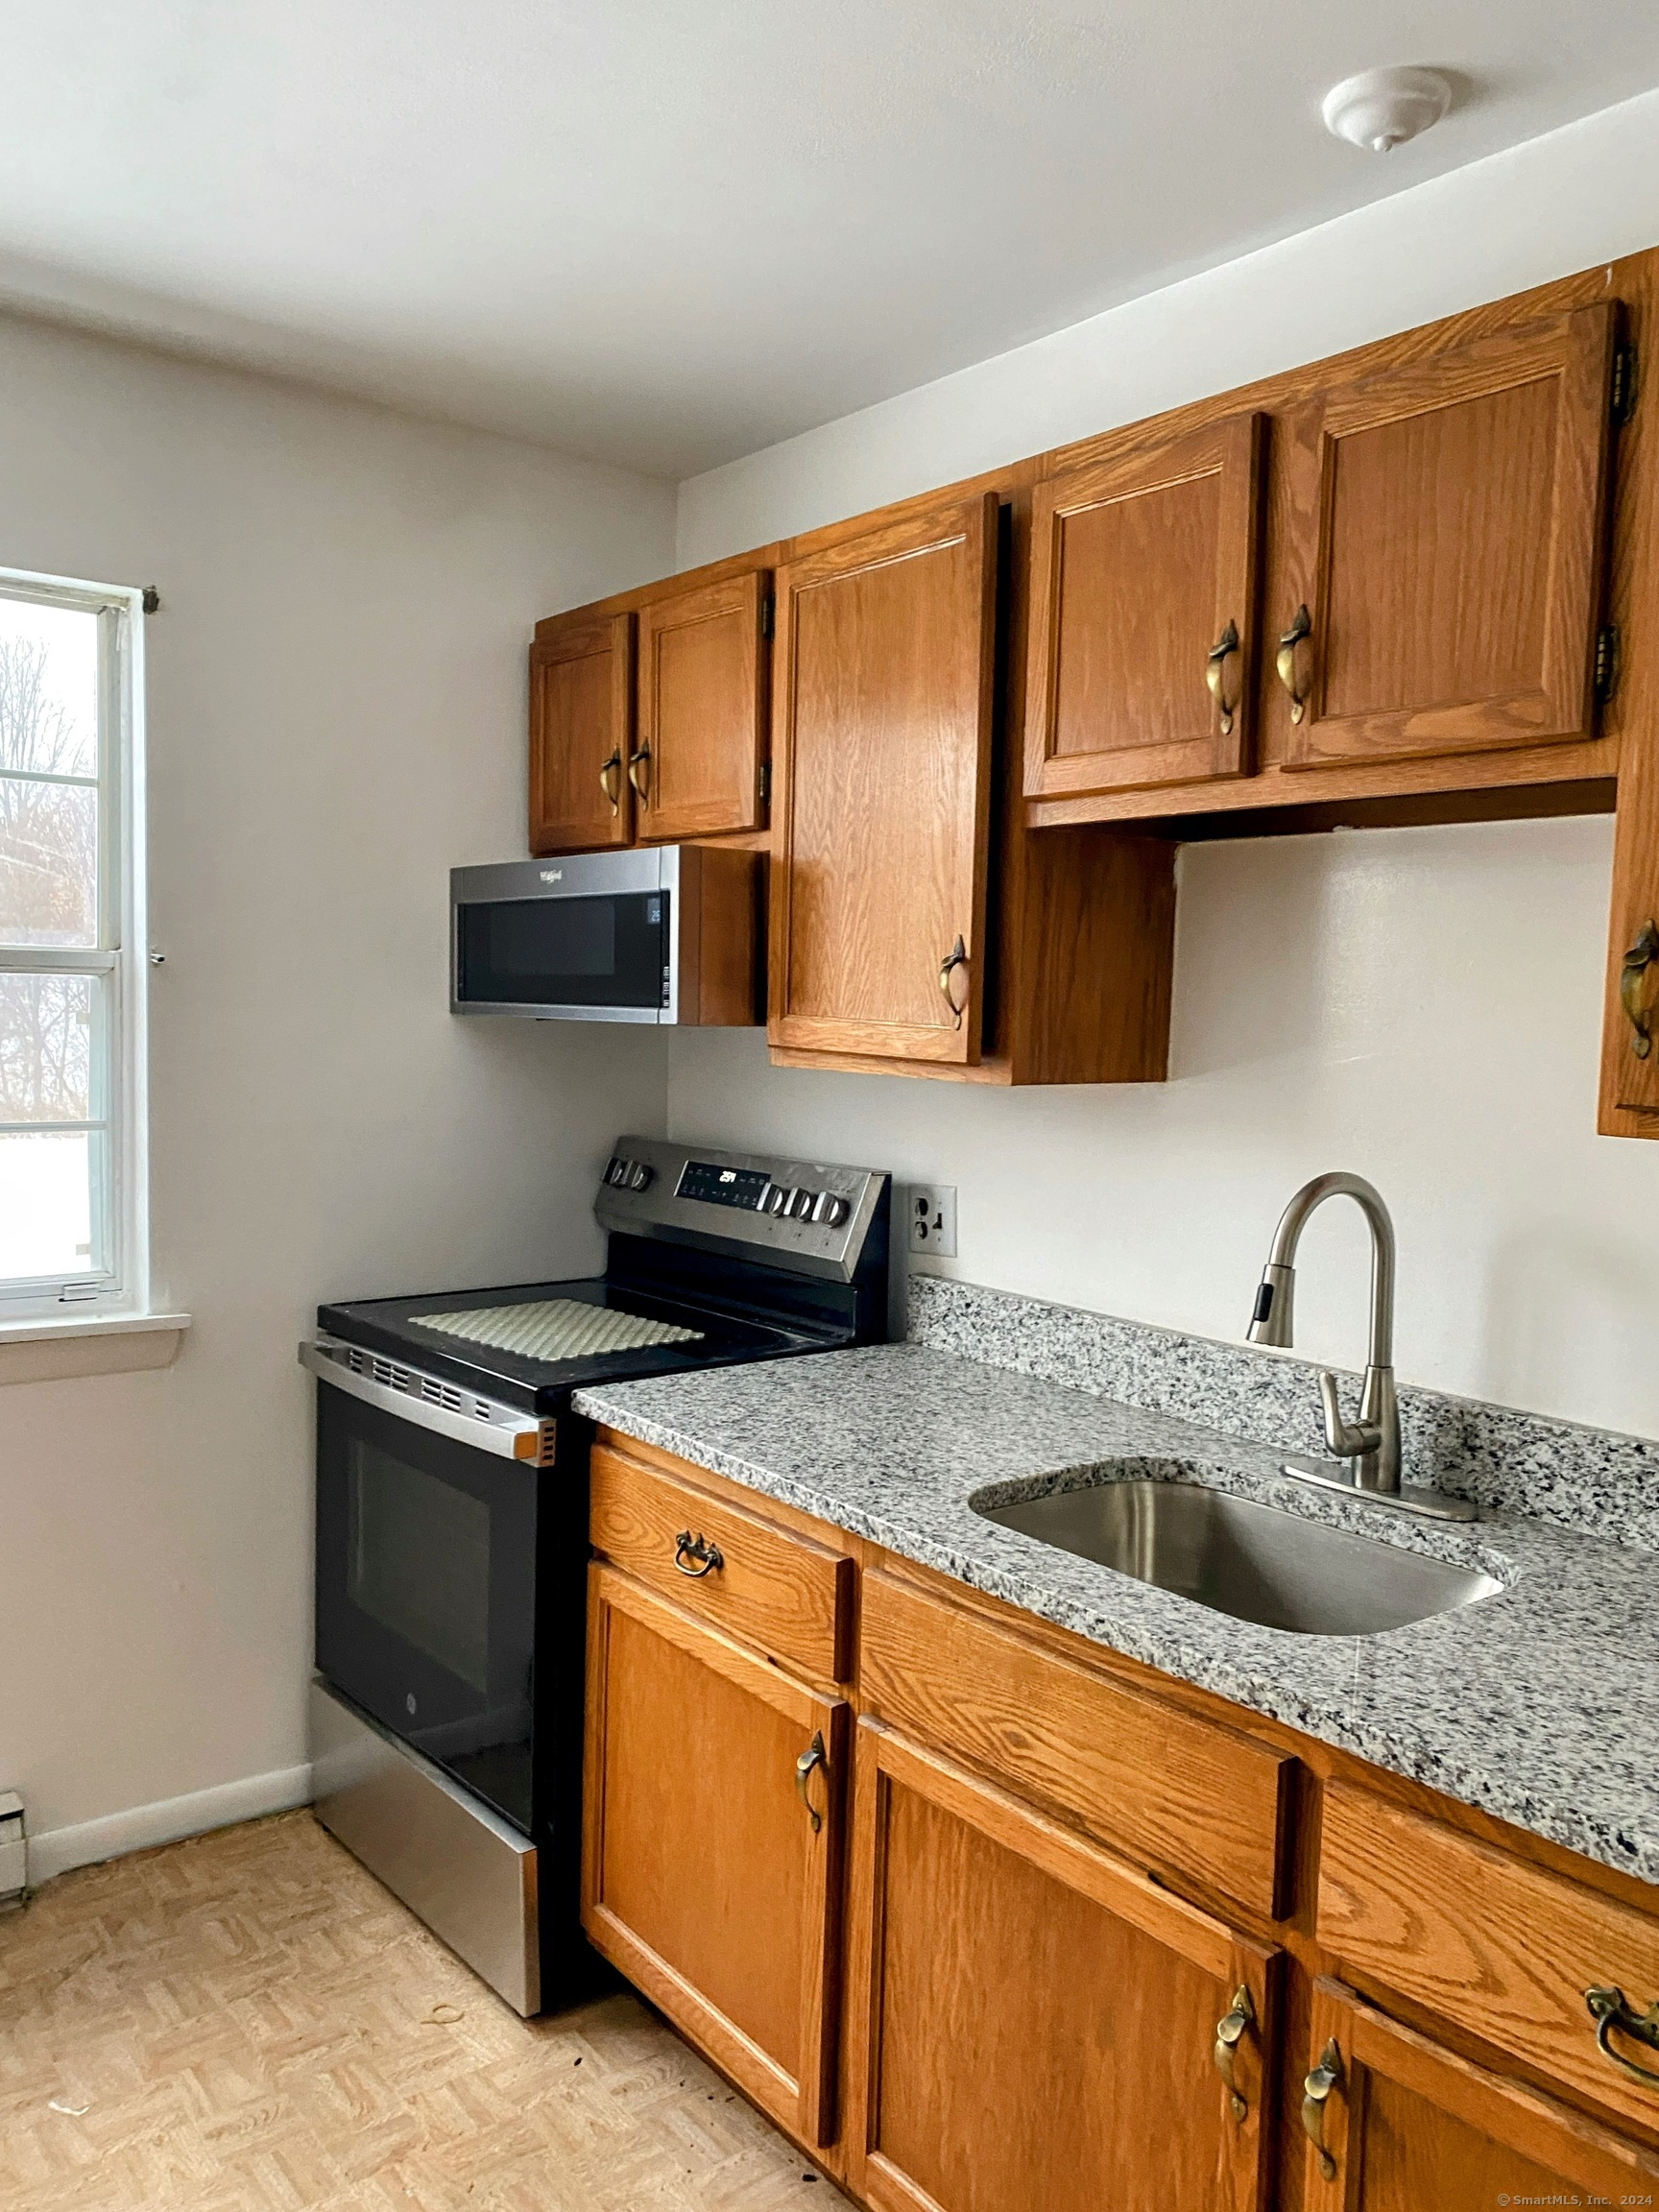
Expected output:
{"points": [[453, 1522]]}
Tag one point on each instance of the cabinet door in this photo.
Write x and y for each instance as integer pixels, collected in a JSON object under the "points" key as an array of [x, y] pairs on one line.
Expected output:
{"points": [[1397, 2124], [1443, 525], [700, 740], [881, 814], [712, 1845], [1034, 2023], [580, 733], [1143, 603]]}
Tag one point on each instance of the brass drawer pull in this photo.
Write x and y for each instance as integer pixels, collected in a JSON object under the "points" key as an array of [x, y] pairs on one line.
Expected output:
{"points": [[640, 772], [1633, 988], [612, 791], [706, 1558], [1301, 627], [814, 1755], [1609, 2009], [956, 957], [1215, 673], [1316, 2091], [1229, 2028]]}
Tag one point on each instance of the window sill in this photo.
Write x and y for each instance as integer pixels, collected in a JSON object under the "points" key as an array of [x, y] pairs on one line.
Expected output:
{"points": [[45, 1350]]}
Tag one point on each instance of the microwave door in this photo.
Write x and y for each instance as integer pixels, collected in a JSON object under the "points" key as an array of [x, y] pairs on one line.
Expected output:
{"points": [[605, 956]]}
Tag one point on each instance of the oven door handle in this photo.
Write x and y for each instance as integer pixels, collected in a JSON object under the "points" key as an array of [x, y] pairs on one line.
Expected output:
{"points": [[499, 1428]]}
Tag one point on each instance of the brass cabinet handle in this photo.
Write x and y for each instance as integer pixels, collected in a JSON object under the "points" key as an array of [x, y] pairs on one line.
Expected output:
{"points": [[706, 1558], [1301, 627], [1609, 2009], [1316, 2091], [1215, 673], [640, 772], [1633, 988], [1228, 2030], [814, 1755], [956, 957], [612, 791]]}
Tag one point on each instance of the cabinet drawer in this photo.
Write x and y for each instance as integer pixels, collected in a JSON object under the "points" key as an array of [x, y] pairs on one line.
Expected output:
{"points": [[1166, 1788], [782, 1592], [1501, 1948]]}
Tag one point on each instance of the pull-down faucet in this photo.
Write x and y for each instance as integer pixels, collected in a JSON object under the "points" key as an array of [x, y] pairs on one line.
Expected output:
{"points": [[1372, 1443]]}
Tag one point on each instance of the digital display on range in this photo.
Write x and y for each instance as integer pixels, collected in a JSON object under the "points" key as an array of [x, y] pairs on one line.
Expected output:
{"points": [[740, 1187]]}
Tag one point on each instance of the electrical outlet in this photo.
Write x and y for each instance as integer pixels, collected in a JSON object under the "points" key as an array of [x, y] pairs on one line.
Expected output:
{"points": [[934, 1218]]}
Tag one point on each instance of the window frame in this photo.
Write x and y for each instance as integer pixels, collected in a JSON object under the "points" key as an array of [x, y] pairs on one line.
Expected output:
{"points": [[120, 1195]]}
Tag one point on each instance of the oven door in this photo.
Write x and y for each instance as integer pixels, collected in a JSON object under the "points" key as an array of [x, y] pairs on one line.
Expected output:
{"points": [[427, 1592]]}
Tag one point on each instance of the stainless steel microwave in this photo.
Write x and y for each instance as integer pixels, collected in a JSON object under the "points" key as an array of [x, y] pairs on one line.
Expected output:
{"points": [[662, 933]]}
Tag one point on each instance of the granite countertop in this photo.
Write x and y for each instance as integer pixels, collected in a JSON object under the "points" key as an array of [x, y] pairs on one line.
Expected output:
{"points": [[1540, 1704]]}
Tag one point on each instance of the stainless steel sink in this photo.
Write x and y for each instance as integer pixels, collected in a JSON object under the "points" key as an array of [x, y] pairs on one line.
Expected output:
{"points": [[1249, 1560]]}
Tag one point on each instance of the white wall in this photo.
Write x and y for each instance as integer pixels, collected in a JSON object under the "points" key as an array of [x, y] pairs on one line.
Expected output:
{"points": [[336, 713], [1423, 1006]]}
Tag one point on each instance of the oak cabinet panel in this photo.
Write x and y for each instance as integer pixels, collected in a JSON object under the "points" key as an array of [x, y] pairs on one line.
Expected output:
{"points": [[881, 815], [580, 733], [781, 1593], [1397, 2124], [1038, 2023], [1444, 550], [1162, 1786], [1143, 611], [710, 1874], [1501, 1948], [700, 740]]}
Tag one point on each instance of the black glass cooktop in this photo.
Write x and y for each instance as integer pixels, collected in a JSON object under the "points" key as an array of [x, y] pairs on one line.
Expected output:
{"points": [[715, 1337]]}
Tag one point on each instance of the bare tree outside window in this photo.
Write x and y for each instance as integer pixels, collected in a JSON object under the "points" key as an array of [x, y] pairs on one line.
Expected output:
{"points": [[48, 891]]}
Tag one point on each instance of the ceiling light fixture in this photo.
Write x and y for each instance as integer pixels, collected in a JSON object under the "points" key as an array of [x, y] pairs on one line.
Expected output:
{"points": [[1380, 109]]}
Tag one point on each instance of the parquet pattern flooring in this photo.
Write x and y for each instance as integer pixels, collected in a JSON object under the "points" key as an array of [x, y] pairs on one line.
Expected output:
{"points": [[248, 2022]]}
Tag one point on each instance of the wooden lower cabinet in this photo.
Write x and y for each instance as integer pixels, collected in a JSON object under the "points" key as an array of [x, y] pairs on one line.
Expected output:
{"points": [[1395, 2123], [995, 1945], [711, 1859], [1033, 2024]]}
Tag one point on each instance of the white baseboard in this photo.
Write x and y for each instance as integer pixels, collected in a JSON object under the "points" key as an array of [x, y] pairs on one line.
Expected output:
{"points": [[57, 1849]]}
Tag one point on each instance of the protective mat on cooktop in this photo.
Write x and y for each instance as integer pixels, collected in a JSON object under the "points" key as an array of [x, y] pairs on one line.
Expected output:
{"points": [[558, 1329]]}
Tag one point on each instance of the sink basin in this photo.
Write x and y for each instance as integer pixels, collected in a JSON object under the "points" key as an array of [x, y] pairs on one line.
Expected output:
{"points": [[1249, 1560]]}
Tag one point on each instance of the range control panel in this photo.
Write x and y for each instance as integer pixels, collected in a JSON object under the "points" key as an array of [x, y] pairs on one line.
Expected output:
{"points": [[806, 1215]]}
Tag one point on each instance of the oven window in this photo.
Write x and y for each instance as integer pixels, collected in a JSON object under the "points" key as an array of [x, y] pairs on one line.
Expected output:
{"points": [[605, 952], [419, 1560]]}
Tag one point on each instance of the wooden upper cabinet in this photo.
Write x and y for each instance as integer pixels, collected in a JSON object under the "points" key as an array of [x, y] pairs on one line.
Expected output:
{"points": [[1142, 615], [712, 1845], [1034, 2024], [1436, 590], [882, 812], [1394, 2122], [580, 733], [700, 743]]}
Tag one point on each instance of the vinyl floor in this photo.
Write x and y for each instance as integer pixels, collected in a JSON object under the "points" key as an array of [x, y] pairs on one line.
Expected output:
{"points": [[248, 2022]]}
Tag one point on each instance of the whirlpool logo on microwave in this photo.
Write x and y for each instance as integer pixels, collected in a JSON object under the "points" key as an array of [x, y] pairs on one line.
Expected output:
{"points": [[552, 874]]}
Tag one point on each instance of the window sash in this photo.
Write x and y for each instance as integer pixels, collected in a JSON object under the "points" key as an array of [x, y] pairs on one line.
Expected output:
{"points": [[117, 1151]]}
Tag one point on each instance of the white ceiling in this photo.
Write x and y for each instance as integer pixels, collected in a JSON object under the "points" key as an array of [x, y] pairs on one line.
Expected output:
{"points": [[664, 232]]}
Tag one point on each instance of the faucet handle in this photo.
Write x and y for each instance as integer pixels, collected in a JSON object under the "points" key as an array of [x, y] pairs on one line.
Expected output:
{"points": [[1344, 1440]]}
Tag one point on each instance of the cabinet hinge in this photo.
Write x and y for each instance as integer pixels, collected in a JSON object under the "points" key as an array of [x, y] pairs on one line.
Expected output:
{"points": [[765, 782], [1606, 677], [767, 604], [1622, 404]]}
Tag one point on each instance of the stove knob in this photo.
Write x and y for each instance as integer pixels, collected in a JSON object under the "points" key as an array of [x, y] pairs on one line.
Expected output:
{"points": [[800, 1204], [639, 1176], [616, 1172], [777, 1198], [830, 1210]]}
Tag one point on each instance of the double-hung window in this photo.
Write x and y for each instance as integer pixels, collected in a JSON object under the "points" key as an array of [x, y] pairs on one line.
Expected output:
{"points": [[71, 966]]}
